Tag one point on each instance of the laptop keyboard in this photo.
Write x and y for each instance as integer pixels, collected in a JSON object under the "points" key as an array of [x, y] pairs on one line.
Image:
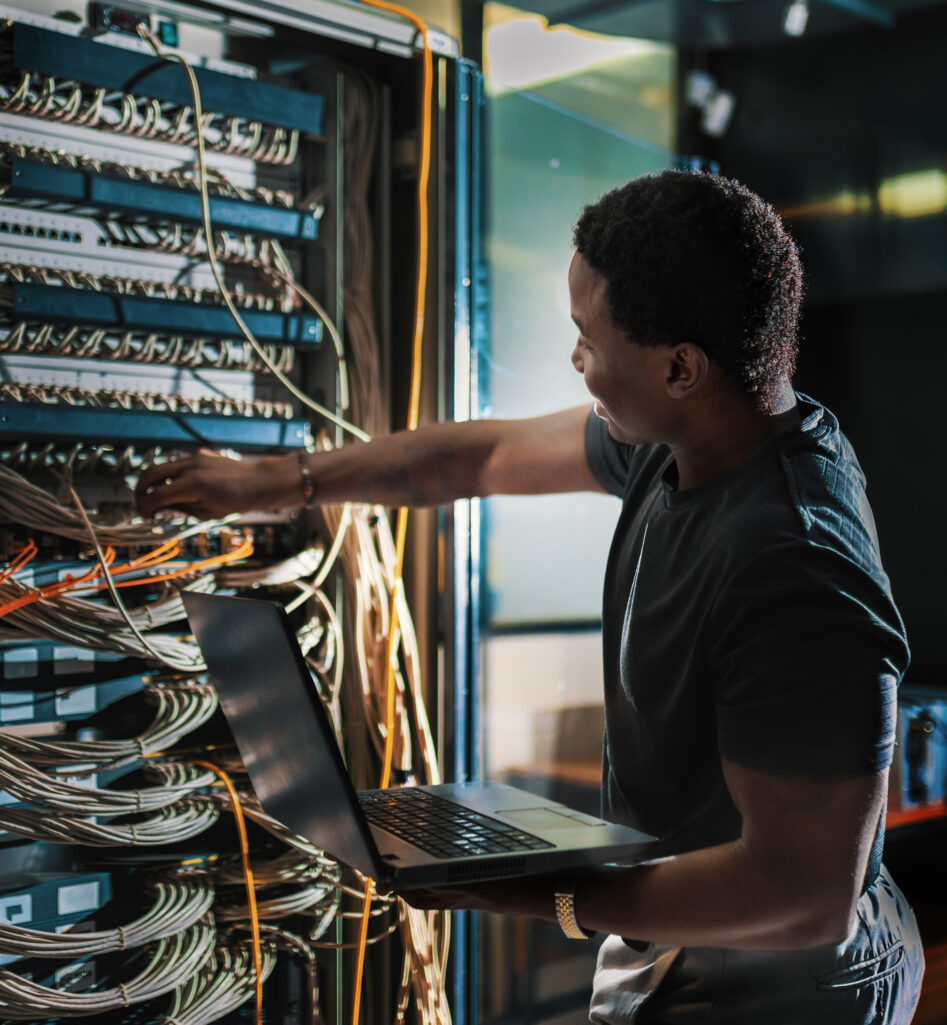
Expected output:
{"points": [[441, 827]]}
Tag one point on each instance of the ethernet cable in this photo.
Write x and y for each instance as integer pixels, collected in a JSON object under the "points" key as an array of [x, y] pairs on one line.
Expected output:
{"points": [[174, 960], [179, 904]]}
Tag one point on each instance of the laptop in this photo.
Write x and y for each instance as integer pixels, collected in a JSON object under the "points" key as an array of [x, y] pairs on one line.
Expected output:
{"points": [[404, 837]]}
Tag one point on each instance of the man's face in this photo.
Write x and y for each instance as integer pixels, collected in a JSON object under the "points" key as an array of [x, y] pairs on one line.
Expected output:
{"points": [[626, 380]]}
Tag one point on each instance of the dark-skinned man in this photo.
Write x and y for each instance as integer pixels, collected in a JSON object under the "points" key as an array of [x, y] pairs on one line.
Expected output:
{"points": [[752, 650]]}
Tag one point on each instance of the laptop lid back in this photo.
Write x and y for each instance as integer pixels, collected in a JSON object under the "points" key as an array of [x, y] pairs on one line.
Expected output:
{"points": [[282, 731]]}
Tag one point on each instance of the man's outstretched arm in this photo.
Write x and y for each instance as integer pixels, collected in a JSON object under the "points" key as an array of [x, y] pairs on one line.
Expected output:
{"points": [[431, 466]]}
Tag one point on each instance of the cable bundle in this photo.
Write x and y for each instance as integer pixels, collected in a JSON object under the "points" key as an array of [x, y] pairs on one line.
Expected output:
{"points": [[172, 291], [43, 789], [178, 822], [82, 457], [183, 240], [368, 555], [252, 811], [179, 904], [224, 982], [291, 867], [309, 885], [87, 624], [183, 706], [174, 960], [23, 502], [140, 347], [360, 124], [110, 398], [278, 574]]}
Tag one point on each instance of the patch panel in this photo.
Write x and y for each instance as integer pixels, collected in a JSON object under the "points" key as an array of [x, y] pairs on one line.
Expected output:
{"points": [[82, 245], [47, 52], [25, 421], [59, 304], [144, 379], [39, 666], [77, 139], [31, 182], [52, 903], [72, 703]]}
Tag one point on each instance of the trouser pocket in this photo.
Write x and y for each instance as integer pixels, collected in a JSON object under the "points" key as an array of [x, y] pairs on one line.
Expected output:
{"points": [[860, 973]]}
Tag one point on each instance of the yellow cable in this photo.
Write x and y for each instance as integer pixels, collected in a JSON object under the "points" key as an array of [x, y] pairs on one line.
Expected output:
{"points": [[414, 401], [248, 880]]}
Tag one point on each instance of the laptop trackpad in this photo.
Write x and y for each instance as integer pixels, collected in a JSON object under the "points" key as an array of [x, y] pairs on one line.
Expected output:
{"points": [[538, 818]]}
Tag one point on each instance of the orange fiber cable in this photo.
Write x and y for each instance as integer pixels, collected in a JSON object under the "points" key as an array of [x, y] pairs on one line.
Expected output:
{"points": [[52, 589], [248, 881], [22, 557], [414, 402]]}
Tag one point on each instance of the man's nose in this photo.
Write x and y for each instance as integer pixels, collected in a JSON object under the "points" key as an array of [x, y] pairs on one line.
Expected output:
{"points": [[577, 358]]}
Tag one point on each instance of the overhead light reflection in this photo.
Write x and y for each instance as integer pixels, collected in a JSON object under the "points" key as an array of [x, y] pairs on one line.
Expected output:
{"points": [[914, 194], [917, 194], [524, 51]]}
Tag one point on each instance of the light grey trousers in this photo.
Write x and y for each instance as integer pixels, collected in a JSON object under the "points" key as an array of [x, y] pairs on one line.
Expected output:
{"points": [[872, 978]]}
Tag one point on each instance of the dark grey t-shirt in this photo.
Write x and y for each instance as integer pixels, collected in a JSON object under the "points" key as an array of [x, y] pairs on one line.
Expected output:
{"points": [[747, 617]]}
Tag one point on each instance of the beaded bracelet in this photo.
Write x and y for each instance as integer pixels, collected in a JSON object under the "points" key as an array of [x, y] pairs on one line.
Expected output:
{"points": [[308, 485]]}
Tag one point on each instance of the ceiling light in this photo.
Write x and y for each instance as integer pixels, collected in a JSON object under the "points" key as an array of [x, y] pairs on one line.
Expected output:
{"points": [[796, 18]]}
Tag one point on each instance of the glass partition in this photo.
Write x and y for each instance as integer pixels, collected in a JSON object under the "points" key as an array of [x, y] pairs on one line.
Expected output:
{"points": [[582, 118]]}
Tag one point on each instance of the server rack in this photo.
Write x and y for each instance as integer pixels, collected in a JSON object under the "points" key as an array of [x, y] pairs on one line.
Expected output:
{"points": [[120, 885]]}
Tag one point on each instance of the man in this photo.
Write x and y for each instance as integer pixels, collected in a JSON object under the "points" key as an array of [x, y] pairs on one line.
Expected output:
{"points": [[752, 649]]}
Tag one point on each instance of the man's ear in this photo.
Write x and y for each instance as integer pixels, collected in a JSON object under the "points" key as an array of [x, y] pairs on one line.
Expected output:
{"points": [[687, 370]]}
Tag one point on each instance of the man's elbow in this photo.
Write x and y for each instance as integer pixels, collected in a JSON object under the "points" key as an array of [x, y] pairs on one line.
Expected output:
{"points": [[824, 924]]}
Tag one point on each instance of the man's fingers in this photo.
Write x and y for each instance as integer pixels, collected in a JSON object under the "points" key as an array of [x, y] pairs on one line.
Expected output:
{"points": [[422, 900], [165, 493], [435, 899], [157, 474]]}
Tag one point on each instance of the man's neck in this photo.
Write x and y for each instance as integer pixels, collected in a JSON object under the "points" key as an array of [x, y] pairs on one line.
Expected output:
{"points": [[725, 432]]}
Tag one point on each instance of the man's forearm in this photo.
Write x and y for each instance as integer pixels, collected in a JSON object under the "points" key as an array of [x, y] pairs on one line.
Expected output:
{"points": [[431, 466], [715, 897]]}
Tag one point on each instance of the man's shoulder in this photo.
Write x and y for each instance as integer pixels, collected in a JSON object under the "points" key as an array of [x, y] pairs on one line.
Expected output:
{"points": [[803, 497], [827, 488]]}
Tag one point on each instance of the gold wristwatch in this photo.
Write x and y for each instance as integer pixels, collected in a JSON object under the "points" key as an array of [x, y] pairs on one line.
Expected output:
{"points": [[565, 910]]}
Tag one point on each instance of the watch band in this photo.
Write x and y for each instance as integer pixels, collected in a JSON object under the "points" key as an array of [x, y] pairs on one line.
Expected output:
{"points": [[565, 910]]}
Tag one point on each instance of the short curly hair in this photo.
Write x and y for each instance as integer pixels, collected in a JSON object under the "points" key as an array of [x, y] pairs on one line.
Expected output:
{"points": [[694, 257]]}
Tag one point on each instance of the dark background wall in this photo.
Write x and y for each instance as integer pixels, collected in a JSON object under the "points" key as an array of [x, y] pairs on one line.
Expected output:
{"points": [[847, 136]]}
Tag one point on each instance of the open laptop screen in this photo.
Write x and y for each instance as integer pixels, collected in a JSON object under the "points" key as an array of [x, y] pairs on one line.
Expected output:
{"points": [[276, 716]]}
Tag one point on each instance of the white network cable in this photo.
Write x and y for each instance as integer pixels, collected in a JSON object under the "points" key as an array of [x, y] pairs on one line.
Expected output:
{"points": [[179, 904], [224, 983], [179, 822], [175, 960], [183, 706]]}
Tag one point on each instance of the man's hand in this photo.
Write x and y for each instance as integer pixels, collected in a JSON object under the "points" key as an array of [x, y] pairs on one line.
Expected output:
{"points": [[532, 896], [209, 485]]}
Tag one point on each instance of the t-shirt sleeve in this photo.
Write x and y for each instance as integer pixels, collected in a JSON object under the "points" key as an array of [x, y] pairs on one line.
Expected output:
{"points": [[806, 652], [608, 459]]}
